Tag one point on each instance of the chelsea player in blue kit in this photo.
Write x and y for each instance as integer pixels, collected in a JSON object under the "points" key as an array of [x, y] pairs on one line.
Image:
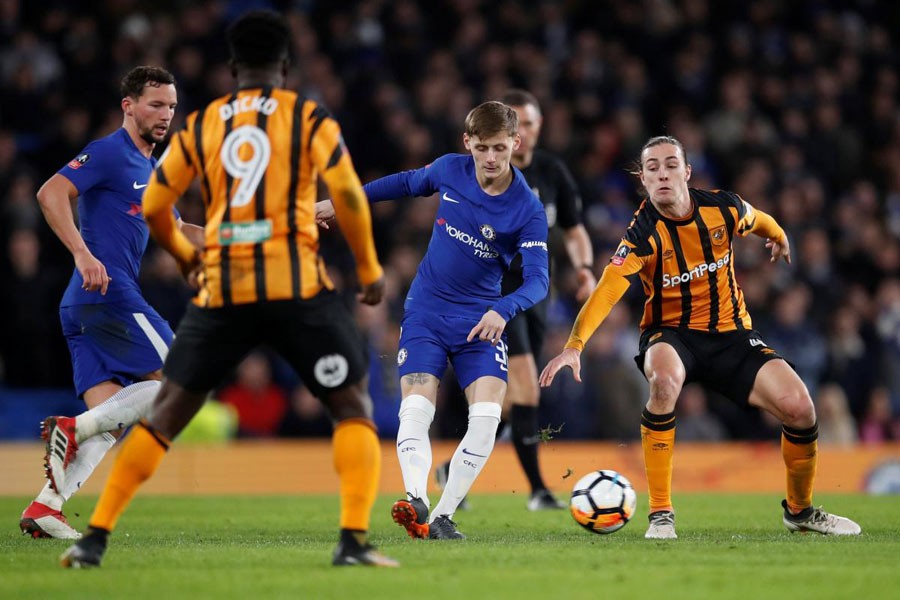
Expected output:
{"points": [[454, 309], [117, 341]]}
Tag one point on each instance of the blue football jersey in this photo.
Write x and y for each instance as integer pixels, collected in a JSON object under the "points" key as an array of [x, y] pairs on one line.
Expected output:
{"points": [[474, 238], [110, 175]]}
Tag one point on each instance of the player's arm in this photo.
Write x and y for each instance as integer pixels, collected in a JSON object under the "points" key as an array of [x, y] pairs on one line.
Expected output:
{"points": [[575, 236], [416, 182], [55, 198], [765, 226], [612, 286], [532, 246], [194, 233], [351, 207], [581, 253], [169, 180]]}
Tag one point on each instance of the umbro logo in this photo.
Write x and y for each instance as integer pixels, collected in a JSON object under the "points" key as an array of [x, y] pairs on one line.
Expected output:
{"points": [[449, 199], [755, 343]]}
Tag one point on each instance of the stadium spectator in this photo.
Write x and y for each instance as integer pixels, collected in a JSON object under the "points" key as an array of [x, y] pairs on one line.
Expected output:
{"points": [[879, 424], [262, 279], [695, 422], [696, 328], [837, 427], [599, 71], [260, 404], [30, 293]]}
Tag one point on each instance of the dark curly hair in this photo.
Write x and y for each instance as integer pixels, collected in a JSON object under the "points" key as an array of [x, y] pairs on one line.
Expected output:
{"points": [[259, 38], [138, 78]]}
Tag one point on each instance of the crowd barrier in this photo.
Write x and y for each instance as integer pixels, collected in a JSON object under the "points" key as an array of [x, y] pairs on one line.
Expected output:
{"points": [[300, 467]]}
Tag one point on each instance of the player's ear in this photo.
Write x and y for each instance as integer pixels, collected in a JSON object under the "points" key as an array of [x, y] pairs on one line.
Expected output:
{"points": [[126, 106], [517, 141], [687, 171], [466, 141]]}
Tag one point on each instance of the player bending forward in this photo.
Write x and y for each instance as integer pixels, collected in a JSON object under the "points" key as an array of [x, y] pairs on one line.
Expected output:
{"points": [[696, 328]]}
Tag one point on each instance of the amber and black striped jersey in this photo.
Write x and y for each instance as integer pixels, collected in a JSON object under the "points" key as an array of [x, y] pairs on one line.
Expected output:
{"points": [[686, 267], [258, 154]]}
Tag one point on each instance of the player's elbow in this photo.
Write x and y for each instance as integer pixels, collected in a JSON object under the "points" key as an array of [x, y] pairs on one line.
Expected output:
{"points": [[47, 196]]}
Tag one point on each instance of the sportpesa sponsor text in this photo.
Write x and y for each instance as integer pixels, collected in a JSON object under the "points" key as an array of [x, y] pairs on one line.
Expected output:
{"points": [[698, 271]]}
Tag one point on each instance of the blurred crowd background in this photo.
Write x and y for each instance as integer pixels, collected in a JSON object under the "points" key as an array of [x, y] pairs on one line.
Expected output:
{"points": [[794, 105]]}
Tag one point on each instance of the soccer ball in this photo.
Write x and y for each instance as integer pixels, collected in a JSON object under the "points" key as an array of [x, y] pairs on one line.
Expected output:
{"points": [[603, 501]]}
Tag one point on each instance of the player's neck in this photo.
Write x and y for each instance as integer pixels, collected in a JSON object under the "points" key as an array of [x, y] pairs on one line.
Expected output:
{"points": [[495, 186], [145, 147], [677, 210], [259, 78]]}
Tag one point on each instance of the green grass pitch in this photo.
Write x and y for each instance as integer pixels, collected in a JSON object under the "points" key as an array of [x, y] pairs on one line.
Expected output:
{"points": [[729, 546]]}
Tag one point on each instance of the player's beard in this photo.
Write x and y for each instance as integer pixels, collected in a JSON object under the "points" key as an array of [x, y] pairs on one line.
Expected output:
{"points": [[149, 135]]}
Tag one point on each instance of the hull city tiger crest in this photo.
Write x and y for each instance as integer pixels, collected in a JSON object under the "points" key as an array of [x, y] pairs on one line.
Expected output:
{"points": [[718, 236]]}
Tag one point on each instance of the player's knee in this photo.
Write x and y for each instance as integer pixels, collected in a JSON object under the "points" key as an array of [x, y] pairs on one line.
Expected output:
{"points": [[797, 409], [665, 386], [417, 408], [351, 402]]}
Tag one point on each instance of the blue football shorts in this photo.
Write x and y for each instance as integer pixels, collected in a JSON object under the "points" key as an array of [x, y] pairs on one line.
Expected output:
{"points": [[428, 341], [119, 341]]}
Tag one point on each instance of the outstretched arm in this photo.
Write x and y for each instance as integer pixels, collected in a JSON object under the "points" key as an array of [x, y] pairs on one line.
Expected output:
{"points": [[609, 290]]}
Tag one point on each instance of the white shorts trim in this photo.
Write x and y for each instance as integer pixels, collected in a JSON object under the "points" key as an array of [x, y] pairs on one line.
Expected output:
{"points": [[158, 343]]}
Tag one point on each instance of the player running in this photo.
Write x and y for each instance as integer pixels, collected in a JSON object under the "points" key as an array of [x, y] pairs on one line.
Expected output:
{"points": [[117, 341], [259, 153]]}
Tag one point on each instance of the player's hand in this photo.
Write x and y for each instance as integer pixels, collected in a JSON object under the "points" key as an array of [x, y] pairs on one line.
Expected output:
{"points": [[93, 272], [192, 270], [489, 328], [780, 249], [567, 358], [373, 293], [194, 277], [324, 213], [586, 284]]}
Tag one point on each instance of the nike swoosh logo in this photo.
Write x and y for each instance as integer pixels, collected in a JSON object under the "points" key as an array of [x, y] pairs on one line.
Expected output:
{"points": [[137, 187], [407, 440], [466, 451], [449, 199]]}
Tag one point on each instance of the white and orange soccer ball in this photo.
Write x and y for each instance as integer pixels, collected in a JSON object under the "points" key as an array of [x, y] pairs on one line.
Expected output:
{"points": [[603, 501]]}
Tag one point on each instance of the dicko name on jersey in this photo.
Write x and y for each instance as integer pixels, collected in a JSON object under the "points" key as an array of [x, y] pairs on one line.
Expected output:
{"points": [[246, 104], [698, 271]]}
